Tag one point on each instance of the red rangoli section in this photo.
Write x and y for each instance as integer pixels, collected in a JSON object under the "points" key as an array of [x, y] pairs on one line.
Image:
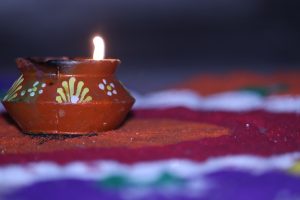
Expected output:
{"points": [[135, 133], [258, 133]]}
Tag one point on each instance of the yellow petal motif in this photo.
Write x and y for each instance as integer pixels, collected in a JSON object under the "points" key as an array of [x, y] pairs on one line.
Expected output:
{"points": [[58, 99], [66, 87], [13, 91], [62, 96], [66, 93], [71, 86], [79, 88]]}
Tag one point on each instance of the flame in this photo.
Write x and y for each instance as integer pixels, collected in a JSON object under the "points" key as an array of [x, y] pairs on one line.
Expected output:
{"points": [[99, 48]]}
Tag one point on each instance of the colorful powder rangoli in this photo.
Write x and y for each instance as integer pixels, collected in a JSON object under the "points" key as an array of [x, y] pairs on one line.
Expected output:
{"points": [[238, 138]]}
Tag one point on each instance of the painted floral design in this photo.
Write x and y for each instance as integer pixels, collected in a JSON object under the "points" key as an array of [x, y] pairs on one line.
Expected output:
{"points": [[70, 92], [36, 89], [13, 91], [108, 88]]}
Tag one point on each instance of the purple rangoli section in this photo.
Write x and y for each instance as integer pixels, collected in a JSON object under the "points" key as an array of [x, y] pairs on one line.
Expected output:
{"points": [[221, 185]]}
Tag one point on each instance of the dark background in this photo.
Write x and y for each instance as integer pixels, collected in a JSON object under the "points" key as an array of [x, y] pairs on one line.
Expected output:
{"points": [[159, 41]]}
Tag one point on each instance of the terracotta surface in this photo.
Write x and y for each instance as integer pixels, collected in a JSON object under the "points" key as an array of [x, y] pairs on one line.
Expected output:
{"points": [[63, 96], [133, 134]]}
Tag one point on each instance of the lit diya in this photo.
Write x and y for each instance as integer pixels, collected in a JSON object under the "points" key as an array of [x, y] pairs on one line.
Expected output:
{"points": [[68, 96]]}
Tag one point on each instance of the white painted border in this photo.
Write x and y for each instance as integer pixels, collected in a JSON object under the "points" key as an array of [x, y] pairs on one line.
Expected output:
{"points": [[13, 176], [226, 101]]}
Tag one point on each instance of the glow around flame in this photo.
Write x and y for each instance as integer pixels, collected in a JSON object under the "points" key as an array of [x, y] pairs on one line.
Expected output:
{"points": [[99, 48]]}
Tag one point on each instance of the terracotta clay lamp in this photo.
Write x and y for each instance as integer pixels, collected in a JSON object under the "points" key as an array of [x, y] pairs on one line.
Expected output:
{"points": [[68, 96]]}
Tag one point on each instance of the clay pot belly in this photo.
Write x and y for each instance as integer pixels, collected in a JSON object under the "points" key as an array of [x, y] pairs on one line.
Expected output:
{"points": [[81, 98]]}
